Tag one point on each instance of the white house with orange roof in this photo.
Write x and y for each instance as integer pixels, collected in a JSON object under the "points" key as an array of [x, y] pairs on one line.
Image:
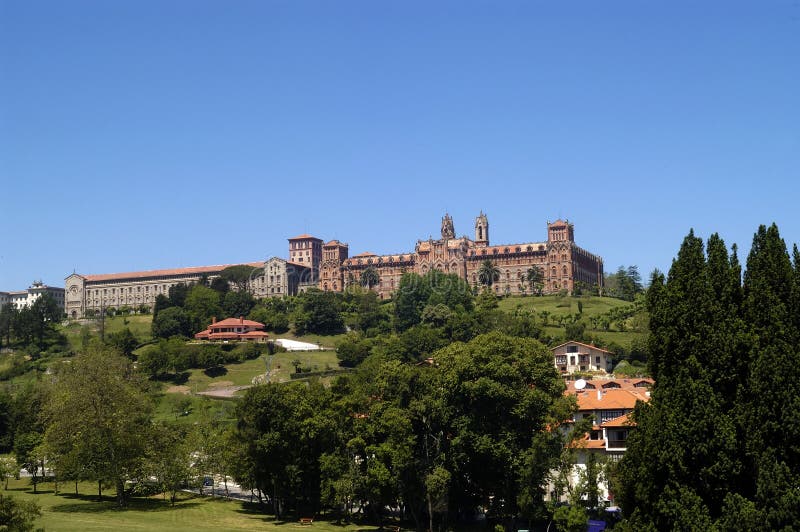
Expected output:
{"points": [[572, 356], [608, 403]]}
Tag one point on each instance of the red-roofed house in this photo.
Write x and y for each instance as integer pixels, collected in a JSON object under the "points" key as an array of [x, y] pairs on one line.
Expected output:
{"points": [[233, 330], [608, 403]]}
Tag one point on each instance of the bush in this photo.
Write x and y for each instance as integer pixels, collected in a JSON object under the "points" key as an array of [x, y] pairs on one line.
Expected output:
{"points": [[352, 350]]}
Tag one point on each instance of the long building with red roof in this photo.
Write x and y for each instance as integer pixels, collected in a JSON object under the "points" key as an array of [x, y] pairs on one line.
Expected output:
{"points": [[87, 294]]}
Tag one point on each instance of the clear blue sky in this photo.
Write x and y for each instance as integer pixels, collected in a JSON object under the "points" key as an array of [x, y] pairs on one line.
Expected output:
{"points": [[149, 134]]}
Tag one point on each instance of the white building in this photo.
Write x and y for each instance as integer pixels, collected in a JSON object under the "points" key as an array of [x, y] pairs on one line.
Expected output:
{"points": [[25, 298], [608, 404], [572, 356]]}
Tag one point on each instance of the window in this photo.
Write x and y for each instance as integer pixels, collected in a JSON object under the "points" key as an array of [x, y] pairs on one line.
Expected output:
{"points": [[572, 349], [606, 415], [597, 360]]}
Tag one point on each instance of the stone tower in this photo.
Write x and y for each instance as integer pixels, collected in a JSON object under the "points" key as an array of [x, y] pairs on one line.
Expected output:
{"points": [[482, 230], [447, 227]]}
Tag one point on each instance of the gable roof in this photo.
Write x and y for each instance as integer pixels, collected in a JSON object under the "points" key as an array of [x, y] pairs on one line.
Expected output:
{"points": [[232, 322], [584, 345]]}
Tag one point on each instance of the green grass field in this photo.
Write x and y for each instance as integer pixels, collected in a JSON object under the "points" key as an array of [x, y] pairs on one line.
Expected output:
{"points": [[243, 373], [568, 306], [68, 512], [592, 306], [139, 325]]}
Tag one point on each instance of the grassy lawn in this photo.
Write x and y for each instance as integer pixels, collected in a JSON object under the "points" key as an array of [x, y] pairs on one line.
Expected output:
{"points": [[82, 512], [139, 325], [242, 374], [592, 306]]}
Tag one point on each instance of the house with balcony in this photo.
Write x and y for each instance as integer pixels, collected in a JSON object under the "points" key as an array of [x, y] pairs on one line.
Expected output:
{"points": [[608, 403], [572, 356]]}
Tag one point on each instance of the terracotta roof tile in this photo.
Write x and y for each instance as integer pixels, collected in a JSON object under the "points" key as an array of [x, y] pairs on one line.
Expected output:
{"points": [[305, 237], [613, 399], [635, 385], [193, 270], [232, 322], [621, 421]]}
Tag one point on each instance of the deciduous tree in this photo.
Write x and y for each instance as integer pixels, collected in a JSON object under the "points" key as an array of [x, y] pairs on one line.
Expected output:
{"points": [[98, 414]]}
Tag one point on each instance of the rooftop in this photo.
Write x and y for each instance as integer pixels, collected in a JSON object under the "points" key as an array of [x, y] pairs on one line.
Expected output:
{"points": [[192, 270]]}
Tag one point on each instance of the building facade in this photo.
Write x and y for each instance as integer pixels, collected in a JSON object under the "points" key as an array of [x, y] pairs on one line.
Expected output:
{"points": [[279, 278], [608, 404], [572, 356], [86, 295], [26, 298], [562, 263]]}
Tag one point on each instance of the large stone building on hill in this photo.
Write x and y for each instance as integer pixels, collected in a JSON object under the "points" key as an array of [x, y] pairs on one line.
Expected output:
{"points": [[562, 262], [329, 267]]}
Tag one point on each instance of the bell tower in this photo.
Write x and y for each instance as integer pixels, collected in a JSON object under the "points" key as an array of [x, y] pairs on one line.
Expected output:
{"points": [[448, 231], [482, 230]]}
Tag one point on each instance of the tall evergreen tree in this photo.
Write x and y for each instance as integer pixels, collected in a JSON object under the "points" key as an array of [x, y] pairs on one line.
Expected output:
{"points": [[683, 457], [771, 417]]}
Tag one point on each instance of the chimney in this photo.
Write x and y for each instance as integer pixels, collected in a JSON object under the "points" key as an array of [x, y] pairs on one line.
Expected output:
{"points": [[600, 393], [213, 320], [241, 319]]}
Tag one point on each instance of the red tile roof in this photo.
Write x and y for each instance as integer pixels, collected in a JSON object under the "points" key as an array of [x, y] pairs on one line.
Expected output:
{"points": [[232, 322], [193, 270], [613, 399], [625, 384], [621, 421], [305, 237]]}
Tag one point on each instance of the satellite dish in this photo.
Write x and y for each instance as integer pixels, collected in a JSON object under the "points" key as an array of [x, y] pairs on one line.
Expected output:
{"points": [[580, 384]]}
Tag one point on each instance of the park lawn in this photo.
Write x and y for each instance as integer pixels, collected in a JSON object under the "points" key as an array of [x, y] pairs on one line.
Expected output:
{"points": [[139, 324], [68, 512], [242, 374], [567, 305]]}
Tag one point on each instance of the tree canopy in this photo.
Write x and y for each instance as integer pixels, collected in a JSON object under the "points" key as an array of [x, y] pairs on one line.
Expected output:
{"points": [[716, 446]]}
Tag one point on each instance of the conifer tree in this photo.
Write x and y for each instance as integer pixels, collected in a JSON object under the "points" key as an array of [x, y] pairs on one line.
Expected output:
{"points": [[683, 456], [773, 428]]}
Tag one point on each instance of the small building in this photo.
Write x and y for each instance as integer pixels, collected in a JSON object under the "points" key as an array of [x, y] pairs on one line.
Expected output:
{"points": [[233, 330], [573, 356]]}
